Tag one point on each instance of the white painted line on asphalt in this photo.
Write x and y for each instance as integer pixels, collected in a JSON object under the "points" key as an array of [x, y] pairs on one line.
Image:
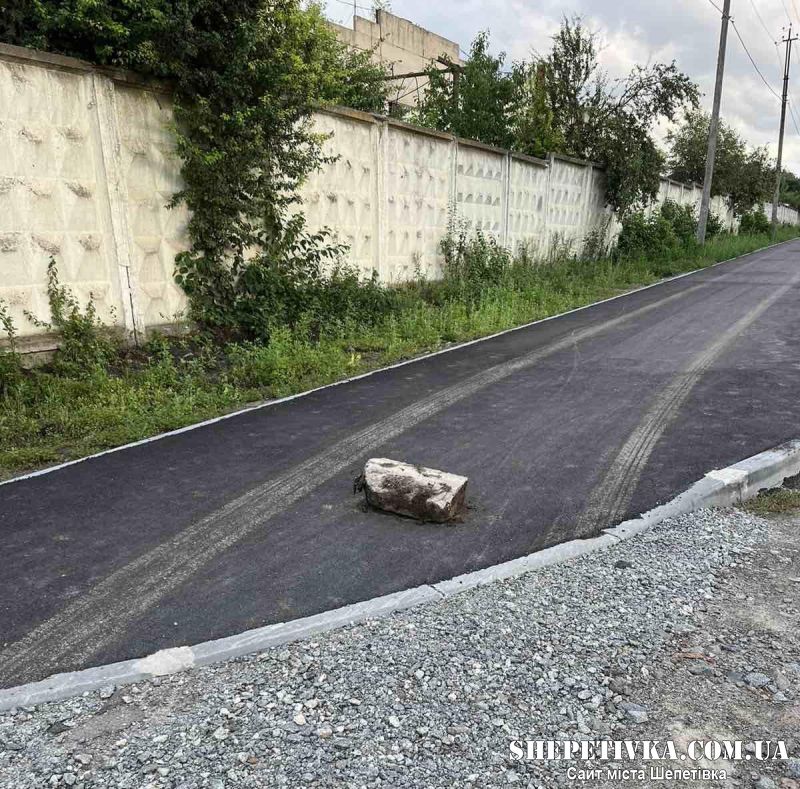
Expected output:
{"points": [[270, 403], [719, 488]]}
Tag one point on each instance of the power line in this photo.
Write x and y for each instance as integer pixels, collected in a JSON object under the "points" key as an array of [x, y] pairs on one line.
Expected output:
{"points": [[794, 118], [761, 20], [766, 30], [744, 46], [755, 65], [758, 70], [350, 4]]}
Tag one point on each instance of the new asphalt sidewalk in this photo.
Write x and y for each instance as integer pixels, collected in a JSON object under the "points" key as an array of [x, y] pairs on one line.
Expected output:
{"points": [[563, 427]]}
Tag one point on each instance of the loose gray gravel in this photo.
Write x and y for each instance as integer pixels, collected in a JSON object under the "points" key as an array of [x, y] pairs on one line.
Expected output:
{"points": [[428, 698]]}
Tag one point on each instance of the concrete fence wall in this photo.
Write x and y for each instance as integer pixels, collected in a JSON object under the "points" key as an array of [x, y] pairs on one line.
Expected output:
{"points": [[87, 168], [786, 214]]}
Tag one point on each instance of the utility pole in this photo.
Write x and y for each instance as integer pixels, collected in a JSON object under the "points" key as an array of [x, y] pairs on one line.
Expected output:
{"points": [[784, 100], [713, 128]]}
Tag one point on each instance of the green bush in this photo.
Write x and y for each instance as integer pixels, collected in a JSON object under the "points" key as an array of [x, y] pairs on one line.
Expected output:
{"points": [[714, 225], [754, 223], [473, 262], [596, 244], [672, 230], [10, 360], [299, 278], [647, 236], [84, 343], [11, 372], [345, 298], [682, 219]]}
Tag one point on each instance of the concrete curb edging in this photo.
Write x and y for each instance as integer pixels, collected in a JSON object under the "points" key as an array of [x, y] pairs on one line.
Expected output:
{"points": [[721, 488], [718, 488]]}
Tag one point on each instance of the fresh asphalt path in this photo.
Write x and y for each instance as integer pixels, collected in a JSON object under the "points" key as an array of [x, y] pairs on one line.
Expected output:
{"points": [[563, 428]]}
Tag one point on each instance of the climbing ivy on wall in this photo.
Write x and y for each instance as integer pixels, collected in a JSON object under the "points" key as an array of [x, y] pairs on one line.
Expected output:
{"points": [[247, 75]]}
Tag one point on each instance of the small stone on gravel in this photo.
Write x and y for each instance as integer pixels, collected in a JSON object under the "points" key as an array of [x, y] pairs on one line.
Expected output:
{"points": [[757, 680]]}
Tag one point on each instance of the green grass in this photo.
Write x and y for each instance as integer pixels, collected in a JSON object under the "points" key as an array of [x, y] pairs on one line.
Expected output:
{"points": [[773, 502], [54, 414]]}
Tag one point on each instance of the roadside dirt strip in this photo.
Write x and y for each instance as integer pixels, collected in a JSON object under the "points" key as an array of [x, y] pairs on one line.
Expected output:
{"points": [[563, 428]]}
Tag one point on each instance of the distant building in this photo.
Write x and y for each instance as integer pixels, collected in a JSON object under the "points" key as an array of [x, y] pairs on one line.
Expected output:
{"points": [[403, 47]]}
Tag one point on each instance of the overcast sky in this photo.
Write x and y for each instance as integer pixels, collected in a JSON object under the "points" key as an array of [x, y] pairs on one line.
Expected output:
{"points": [[637, 31]]}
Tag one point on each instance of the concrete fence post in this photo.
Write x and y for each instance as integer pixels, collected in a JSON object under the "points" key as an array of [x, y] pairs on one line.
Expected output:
{"points": [[586, 222], [546, 239], [121, 236], [453, 193], [380, 137], [506, 191]]}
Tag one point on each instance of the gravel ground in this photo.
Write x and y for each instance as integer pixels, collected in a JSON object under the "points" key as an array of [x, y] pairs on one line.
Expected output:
{"points": [[664, 634]]}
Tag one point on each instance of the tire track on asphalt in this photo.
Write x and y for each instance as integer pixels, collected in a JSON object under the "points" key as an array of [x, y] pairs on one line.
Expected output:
{"points": [[103, 613], [609, 500]]}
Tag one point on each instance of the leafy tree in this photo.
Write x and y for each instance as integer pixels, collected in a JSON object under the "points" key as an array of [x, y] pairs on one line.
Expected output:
{"points": [[790, 189], [611, 121], [534, 128], [756, 183], [109, 33], [571, 88], [356, 80], [478, 103], [745, 176]]}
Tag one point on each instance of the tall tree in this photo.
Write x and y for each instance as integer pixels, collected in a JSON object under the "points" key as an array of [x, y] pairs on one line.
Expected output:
{"points": [[534, 127], [611, 121], [477, 103], [745, 176]]}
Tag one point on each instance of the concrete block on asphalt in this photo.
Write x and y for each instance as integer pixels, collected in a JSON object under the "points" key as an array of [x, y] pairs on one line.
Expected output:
{"points": [[426, 494]]}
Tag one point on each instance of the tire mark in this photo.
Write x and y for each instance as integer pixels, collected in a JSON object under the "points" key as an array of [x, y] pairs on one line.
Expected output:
{"points": [[609, 500], [104, 612]]}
